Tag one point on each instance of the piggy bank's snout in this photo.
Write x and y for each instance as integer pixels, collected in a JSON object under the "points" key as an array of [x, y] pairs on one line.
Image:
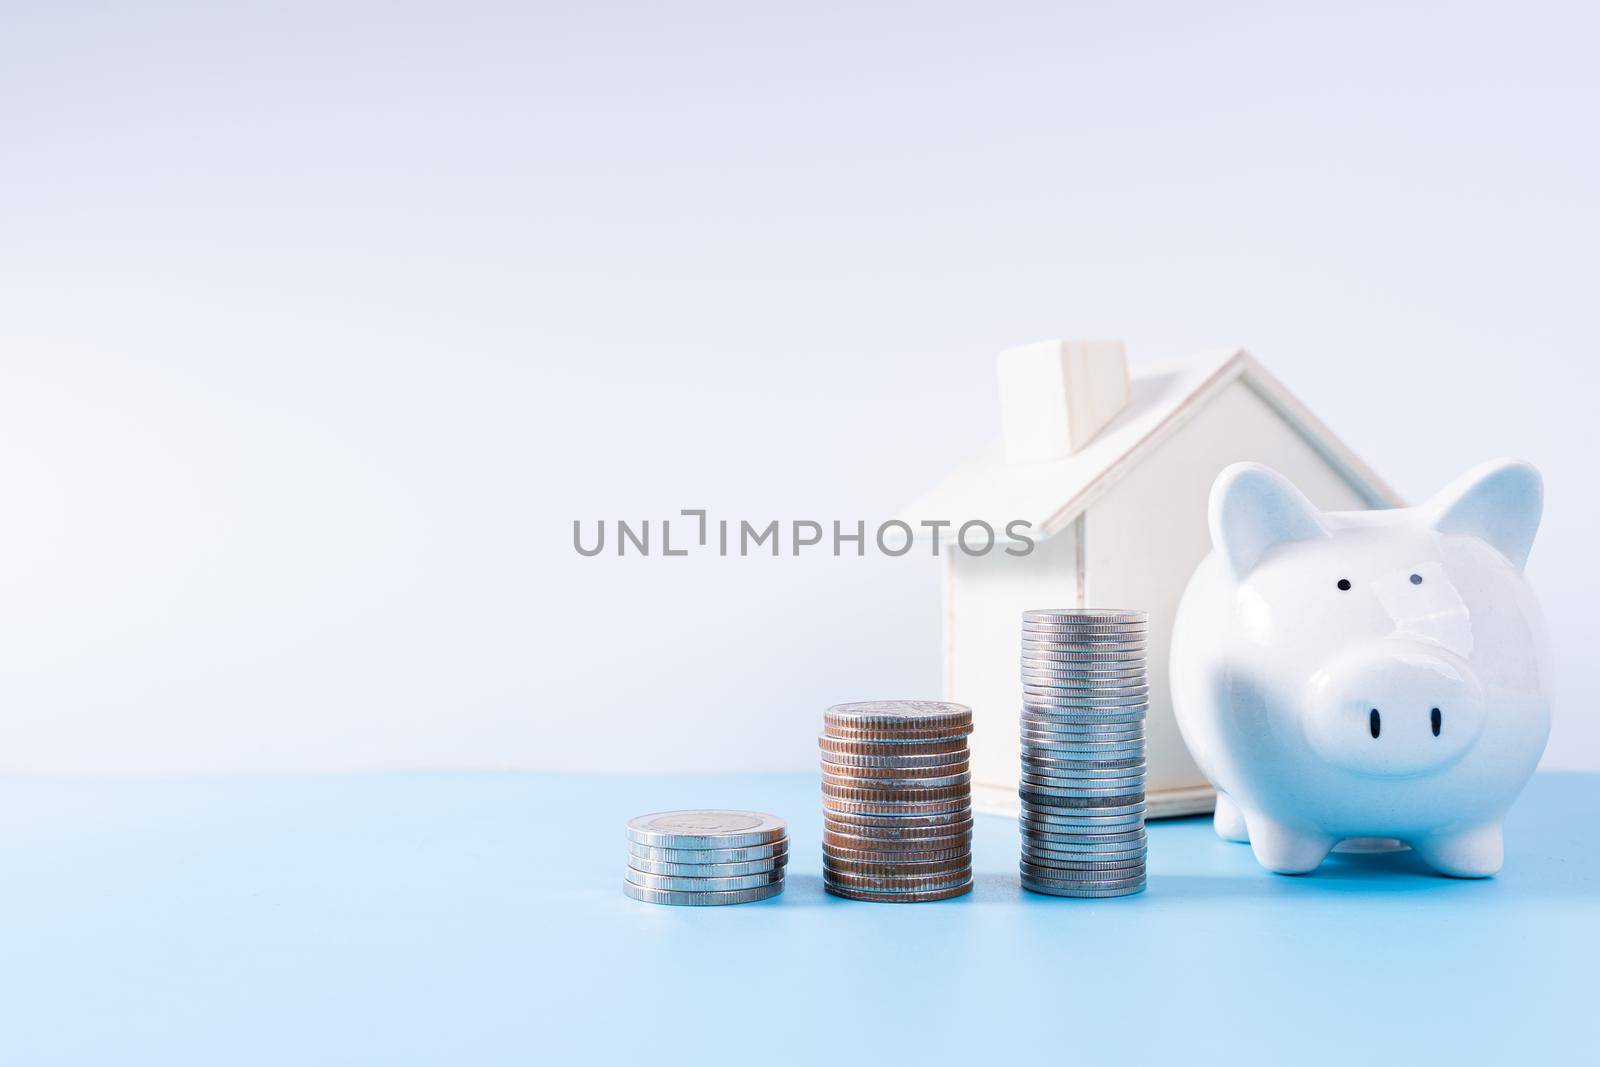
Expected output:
{"points": [[1394, 709]]}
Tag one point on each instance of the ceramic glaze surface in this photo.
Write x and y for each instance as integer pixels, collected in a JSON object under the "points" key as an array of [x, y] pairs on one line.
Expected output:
{"points": [[1377, 674]]}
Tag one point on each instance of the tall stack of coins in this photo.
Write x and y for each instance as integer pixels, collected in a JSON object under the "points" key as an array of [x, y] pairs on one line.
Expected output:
{"points": [[1085, 694], [705, 857], [897, 800]]}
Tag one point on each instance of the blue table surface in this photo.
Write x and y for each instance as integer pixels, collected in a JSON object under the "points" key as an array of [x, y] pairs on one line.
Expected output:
{"points": [[478, 919]]}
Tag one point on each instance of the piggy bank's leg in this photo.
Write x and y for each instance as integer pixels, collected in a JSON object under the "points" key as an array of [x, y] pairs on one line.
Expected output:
{"points": [[1229, 821], [1475, 853], [1285, 849]]}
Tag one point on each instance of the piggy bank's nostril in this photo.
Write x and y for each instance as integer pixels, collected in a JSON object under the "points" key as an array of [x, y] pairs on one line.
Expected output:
{"points": [[1437, 719], [1374, 723]]}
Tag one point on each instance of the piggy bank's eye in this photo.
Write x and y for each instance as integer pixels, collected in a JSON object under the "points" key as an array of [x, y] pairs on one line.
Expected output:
{"points": [[1344, 584], [1416, 579]]}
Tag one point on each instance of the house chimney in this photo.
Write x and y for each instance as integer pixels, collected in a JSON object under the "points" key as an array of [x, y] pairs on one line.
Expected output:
{"points": [[1056, 395]]}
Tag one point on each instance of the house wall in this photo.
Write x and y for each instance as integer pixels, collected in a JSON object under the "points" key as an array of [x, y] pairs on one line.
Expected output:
{"points": [[1144, 539], [985, 597]]}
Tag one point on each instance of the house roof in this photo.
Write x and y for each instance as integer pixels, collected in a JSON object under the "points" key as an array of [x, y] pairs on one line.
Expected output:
{"points": [[1163, 396]]}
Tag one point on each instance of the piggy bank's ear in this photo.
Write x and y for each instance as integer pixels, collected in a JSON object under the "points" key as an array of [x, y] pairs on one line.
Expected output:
{"points": [[1500, 501], [1254, 508]]}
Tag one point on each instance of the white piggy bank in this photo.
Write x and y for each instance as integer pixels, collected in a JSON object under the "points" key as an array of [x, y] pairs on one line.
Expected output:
{"points": [[1373, 674]]}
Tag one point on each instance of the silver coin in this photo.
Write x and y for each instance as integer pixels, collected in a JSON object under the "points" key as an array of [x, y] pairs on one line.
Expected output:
{"points": [[1107, 768], [1120, 804], [1064, 661], [1076, 700], [681, 884], [1079, 633], [914, 742], [1050, 779], [1081, 712], [1107, 735], [754, 853], [1088, 792], [1086, 879], [1112, 666], [915, 775], [1033, 714], [1056, 874], [1066, 672], [1087, 771], [1085, 658], [1056, 687], [934, 763], [701, 900], [1045, 858], [1057, 635], [1056, 890], [1076, 614], [1081, 820], [1084, 861], [1087, 777], [1088, 644], [850, 893], [1058, 799], [898, 714], [1046, 730], [1085, 626], [1107, 657], [1131, 748], [1057, 786], [1050, 695], [852, 781], [1111, 842], [1050, 834], [1051, 729], [1031, 674], [1125, 735], [707, 870], [1120, 824], [1134, 756], [1071, 678], [1084, 635], [1033, 823], [706, 828], [1065, 872], [1083, 869], [1053, 785], [1089, 733]]}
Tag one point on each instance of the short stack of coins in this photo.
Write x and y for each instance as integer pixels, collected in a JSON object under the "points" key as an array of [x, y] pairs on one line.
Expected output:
{"points": [[705, 857], [897, 800], [1085, 695]]}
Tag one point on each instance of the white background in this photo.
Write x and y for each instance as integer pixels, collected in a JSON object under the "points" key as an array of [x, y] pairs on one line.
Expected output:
{"points": [[321, 323]]}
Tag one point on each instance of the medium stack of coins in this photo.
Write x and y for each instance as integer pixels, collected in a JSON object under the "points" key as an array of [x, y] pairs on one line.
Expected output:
{"points": [[705, 857], [1085, 694], [897, 800]]}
